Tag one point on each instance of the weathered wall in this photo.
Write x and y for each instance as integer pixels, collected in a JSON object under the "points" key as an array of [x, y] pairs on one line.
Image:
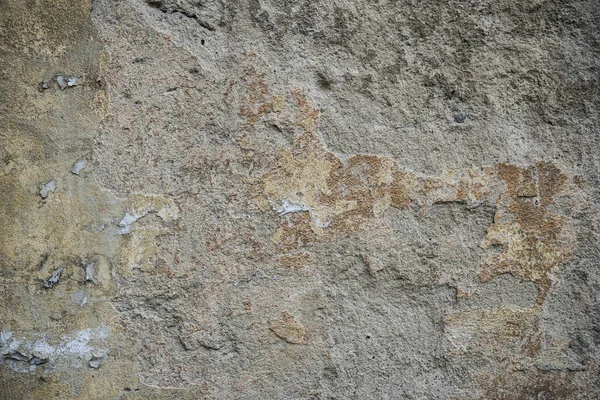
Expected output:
{"points": [[300, 199]]}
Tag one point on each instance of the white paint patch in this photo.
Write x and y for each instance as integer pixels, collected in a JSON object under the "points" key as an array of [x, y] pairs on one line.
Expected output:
{"points": [[288, 207], [127, 220], [42, 349], [72, 351], [143, 205], [90, 270], [78, 166], [47, 188], [62, 83]]}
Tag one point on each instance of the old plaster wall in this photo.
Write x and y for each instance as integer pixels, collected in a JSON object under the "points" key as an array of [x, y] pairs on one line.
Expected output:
{"points": [[273, 199]]}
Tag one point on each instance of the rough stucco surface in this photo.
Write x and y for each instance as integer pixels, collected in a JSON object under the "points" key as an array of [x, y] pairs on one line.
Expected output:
{"points": [[300, 199]]}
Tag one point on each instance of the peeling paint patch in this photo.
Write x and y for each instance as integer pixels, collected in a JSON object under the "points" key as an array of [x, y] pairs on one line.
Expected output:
{"points": [[47, 188], [71, 351], [54, 278], [289, 207], [79, 166], [348, 197], [126, 222], [90, 270], [64, 83], [142, 205], [534, 240], [141, 246]]}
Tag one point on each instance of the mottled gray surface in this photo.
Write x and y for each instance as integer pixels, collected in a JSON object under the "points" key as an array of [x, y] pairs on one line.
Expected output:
{"points": [[416, 272]]}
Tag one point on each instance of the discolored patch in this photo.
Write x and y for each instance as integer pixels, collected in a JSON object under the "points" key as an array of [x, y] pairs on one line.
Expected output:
{"points": [[534, 240], [336, 197], [288, 329], [307, 116], [494, 332], [319, 197], [295, 260], [253, 93]]}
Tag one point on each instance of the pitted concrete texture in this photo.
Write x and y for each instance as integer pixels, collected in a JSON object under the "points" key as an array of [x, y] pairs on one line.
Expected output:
{"points": [[274, 199]]}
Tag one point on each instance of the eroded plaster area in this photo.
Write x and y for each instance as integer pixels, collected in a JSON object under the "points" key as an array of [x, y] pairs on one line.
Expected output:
{"points": [[273, 199]]}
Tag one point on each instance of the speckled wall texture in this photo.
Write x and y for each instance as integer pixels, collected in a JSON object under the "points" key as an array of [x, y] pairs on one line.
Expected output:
{"points": [[277, 199]]}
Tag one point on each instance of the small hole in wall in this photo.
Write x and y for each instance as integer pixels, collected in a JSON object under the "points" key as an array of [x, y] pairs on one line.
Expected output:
{"points": [[368, 336], [202, 42]]}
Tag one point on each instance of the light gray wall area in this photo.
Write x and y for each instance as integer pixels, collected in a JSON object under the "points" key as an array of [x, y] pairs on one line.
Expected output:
{"points": [[301, 200]]}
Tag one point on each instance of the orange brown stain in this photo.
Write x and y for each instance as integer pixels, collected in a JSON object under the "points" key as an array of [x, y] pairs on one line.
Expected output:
{"points": [[348, 197]]}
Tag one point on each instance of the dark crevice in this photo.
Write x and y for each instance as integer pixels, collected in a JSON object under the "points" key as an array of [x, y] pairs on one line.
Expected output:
{"points": [[160, 5]]}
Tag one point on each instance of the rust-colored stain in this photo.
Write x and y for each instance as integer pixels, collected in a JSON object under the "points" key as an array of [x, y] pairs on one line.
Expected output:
{"points": [[334, 198], [534, 240], [294, 260], [316, 196], [288, 329], [307, 116], [254, 97]]}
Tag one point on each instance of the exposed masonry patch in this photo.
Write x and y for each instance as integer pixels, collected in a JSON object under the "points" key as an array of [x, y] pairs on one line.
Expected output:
{"points": [[76, 350]]}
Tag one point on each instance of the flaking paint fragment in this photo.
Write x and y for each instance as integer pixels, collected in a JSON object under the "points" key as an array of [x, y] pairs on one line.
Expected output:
{"points": [[126, 222], [96, 361], [15, 355], [62, 82], [129, 219], [54, 278], [142, 205], [90, 269], [47, 188], [78, 166], [288, 207], [70, 351]]}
